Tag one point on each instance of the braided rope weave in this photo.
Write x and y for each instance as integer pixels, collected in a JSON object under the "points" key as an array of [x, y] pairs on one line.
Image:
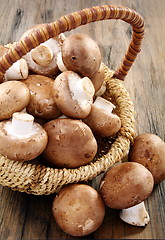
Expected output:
{"points": [[39, 179], [74, 20]]}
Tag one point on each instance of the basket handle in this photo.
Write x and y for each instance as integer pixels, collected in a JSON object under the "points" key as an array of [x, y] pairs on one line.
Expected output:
{"points": [[74, 20]]}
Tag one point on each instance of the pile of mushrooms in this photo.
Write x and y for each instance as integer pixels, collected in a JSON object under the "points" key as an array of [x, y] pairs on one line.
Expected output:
{"points": [[52, 108]]}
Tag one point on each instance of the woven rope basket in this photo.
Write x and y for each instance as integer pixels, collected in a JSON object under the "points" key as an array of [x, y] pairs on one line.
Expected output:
{"points": [[38, 179]]}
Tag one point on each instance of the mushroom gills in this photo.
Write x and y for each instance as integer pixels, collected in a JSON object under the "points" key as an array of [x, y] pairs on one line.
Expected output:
{"points": [[136, 215]]}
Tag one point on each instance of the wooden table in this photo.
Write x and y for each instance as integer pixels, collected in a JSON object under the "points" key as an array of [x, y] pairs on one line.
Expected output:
{"points": [[28, 217]]}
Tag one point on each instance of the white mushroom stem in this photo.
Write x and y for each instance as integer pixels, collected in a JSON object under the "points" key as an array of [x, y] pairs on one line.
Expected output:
{"points": [[18, 71], [104, 104], [22, 123], [136, 215], [42, 55], [87, 86], [54, 44], [60, 62], [81, 89]]}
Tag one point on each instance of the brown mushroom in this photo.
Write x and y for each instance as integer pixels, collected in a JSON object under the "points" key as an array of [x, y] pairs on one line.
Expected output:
{"points": [[21, 139], [43, 59], [81, 54], [42, 104], [14, 97], [101, 120], [71, 143], [149, 150], [98, 78], [73, 95], [78, 209], [125, 186]]}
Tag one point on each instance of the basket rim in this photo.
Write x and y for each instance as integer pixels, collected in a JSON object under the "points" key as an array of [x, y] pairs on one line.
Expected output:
{"points": [[39, 179]]}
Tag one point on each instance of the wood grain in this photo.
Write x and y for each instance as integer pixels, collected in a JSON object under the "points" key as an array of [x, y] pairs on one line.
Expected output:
{"points": [[27, 217]]}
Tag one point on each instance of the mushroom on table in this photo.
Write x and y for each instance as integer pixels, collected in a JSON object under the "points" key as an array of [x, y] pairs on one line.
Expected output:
{"points": [[125, 186], [78, 209], [149, 150]]}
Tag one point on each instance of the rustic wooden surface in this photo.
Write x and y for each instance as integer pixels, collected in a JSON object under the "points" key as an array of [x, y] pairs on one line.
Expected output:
{"points": [[29, 217]]}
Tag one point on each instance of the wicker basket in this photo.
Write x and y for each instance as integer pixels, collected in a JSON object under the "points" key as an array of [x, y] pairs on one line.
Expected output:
{"points": [[38, 179]]}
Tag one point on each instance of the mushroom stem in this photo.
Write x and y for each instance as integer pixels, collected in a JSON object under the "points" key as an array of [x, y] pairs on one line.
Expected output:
{"points": [[19, 70], [60, 63], [88, 86], [136, 215], [42, 55], [22, 123], [104, 104], [81, 89]]}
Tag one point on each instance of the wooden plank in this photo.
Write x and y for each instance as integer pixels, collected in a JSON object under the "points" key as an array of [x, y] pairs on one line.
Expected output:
{"points": [[28, 217]]}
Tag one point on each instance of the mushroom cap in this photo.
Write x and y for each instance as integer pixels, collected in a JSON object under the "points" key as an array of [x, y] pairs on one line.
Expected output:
{"points": [[14, 97], [149, 150], [72, 97], [22, 148], [98, 78], [102, 122], [78, 209], [71, 143], [42, 104], [50, 69], [126, 185], [81, 54]]}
